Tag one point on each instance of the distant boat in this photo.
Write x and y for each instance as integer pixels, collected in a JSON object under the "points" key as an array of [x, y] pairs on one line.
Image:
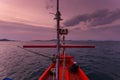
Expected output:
{"points": [[62, 66]]}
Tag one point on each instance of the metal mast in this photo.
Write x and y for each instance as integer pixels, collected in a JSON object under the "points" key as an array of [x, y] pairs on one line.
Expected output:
{"points": [[58, 18]]}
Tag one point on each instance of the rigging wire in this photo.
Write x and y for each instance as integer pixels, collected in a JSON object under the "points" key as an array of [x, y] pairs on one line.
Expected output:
{"points": [[35, 52]]}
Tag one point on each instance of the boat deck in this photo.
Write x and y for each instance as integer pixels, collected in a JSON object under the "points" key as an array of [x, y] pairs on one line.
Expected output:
{"points": [[74, 76], [70, 73]]}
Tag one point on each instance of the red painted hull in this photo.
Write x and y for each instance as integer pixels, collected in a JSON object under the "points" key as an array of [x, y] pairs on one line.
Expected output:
{"points": [[68, 75]]}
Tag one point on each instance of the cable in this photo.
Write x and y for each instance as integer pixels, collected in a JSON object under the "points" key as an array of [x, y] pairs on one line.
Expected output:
{"points": [[35, 52]]}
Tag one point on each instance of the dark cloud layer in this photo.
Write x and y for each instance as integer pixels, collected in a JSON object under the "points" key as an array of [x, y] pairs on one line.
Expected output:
{"points": [[12, 30], [99, 17]]}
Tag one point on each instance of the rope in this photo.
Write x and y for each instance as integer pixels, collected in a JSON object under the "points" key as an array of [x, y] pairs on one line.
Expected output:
{"points": [[34, 52], [38, 54], [53, 76], [63, 71]]}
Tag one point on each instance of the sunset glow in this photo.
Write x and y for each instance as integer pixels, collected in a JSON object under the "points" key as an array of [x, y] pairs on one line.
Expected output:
{"points": [[16, 13], [82, 17]]}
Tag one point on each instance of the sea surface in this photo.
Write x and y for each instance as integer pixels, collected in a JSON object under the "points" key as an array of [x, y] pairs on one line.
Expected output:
{"points": [[100, 63]]}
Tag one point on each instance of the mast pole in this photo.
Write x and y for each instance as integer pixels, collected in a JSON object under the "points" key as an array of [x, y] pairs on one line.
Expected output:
{"points": [[58, 18]]}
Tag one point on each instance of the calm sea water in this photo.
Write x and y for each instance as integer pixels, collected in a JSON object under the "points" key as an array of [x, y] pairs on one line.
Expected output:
{"points": [[101, 63]]}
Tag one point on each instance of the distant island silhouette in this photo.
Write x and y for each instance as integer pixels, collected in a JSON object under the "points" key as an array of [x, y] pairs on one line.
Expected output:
{"points": [[6, 40]]}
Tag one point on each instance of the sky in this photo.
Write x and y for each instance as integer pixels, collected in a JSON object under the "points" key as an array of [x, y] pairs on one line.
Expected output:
{"points": [[85, 19]]}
